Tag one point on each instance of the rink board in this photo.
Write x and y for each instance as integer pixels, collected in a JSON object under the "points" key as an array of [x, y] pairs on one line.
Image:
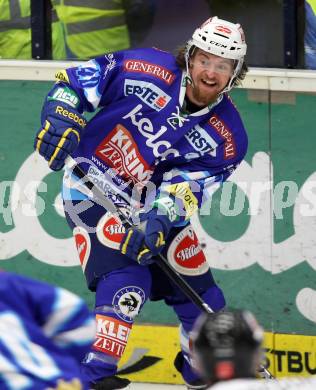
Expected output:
{"points": [[151, 351]]}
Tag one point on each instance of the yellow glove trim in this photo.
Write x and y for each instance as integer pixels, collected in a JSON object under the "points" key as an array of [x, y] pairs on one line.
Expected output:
{"points": [[41, 135], [128, 237], [62, 75], [62, 141], [160, 240], [75, 384], [142, 253]]}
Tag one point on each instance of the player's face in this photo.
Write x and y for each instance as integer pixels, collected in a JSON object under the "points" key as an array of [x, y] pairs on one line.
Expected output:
{"points": [[210, 75]]}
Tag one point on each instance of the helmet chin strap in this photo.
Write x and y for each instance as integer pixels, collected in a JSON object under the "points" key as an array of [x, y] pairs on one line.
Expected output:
{"points": [[187, 60], [236, 71]]}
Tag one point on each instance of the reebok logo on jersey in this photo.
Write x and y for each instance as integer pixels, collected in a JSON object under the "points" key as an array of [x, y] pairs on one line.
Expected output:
{"points": [[120, 151], [155, 70], [225, 133], [151, 95], [112, 335], [201, 140]]}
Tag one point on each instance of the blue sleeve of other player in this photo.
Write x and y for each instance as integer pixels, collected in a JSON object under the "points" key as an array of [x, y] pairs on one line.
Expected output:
{"points": [[70, 324], [63, 316]]}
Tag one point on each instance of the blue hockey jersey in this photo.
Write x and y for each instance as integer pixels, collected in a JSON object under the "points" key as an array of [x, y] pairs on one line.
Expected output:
{"points": [[44, 333], [142, 136]]}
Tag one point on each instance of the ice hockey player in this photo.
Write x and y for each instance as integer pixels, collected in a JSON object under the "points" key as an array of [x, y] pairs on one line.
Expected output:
{"points": [[227, 351], [45, 331], [165, 131]]}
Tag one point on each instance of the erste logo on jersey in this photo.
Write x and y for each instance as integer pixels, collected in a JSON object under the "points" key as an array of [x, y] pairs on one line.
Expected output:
{"points": [[155, 70], [149, 93], [83, 245], [201, 140], [128, 301], [186, 255], [110, 230], [119, 151], [225, 133], [111, 335]]}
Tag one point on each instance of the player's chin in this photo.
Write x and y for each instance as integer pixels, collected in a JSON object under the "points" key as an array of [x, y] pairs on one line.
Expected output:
{"points": [[208, 93], [209, 97]]}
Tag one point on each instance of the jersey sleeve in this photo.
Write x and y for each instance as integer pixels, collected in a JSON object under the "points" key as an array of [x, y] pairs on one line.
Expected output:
{"points": [[63, 316], [95, 82], [184, 189]]}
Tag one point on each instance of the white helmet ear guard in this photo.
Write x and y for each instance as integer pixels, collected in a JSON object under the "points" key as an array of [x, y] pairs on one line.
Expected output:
{"points": [[221, 38]]}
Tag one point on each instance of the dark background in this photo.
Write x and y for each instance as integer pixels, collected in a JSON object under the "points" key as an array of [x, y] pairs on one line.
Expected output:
{"points": [[263, 23]]}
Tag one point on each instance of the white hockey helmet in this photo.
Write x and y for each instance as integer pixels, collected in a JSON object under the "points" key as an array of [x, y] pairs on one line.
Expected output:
{"points": [[221, 38]]}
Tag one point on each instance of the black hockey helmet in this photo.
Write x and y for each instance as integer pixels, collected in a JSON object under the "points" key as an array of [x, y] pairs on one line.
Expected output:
{"points": [[227, 345]]}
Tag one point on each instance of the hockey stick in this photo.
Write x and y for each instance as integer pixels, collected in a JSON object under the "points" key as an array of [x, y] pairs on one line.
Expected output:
{"points": [[160, 260]]}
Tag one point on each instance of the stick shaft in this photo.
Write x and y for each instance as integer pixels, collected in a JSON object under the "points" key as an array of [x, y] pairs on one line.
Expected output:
{"points": [[162, 262]]}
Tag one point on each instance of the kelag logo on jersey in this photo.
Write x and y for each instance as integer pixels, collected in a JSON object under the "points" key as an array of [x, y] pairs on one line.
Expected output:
{"points": [[201, 140], [149, 93], [120, 151], [160, 147]]}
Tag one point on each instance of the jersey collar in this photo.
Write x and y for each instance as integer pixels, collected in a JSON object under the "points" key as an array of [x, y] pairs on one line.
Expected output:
{"points": [[184, 82]]}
